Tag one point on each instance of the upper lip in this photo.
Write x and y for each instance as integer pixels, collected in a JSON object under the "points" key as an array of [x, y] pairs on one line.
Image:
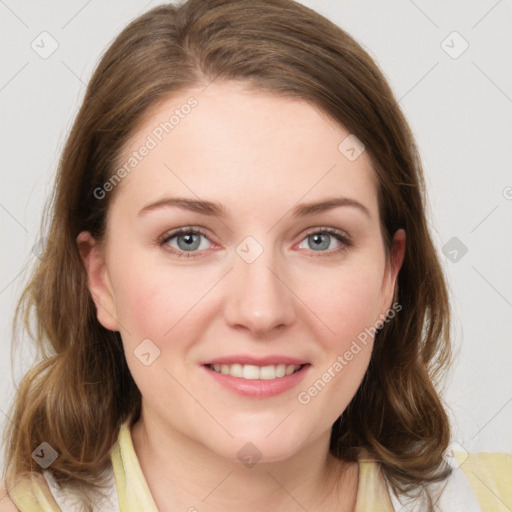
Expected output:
{"points": [[256, 360]]}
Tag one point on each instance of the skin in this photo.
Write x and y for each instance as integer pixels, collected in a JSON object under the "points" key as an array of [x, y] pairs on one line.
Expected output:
{"points": [[258, 155]]}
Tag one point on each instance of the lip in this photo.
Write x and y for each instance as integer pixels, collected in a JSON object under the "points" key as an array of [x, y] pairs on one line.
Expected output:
{"points": [[256, 361], [257, 388]]}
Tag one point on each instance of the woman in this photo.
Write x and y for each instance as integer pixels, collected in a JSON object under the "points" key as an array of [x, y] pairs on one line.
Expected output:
{"points": [[239, 299]]}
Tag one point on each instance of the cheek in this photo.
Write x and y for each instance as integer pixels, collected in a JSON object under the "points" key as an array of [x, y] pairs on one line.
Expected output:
{"points": [[152, 304], [347, 302], [151, 297], [350, 307], [162, 318], [141, 308]]}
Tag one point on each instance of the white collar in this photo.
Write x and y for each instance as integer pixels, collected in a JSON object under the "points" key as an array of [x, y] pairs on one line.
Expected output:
{"points": [[454, 494]]}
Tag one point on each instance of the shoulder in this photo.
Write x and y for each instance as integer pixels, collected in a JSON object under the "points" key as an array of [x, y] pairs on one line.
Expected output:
{"points": [[478, 482], [31, 492], [39, 491], [490, 477], [6, 504]]}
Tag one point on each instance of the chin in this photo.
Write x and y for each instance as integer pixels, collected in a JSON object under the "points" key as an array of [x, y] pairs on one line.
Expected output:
{"points": [[258, 445]]}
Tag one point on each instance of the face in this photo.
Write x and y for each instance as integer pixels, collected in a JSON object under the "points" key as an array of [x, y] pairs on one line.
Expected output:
{"points": [[223, 278]]}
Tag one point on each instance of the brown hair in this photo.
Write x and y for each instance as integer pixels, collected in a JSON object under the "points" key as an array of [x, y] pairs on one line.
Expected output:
{"points": [[79, 394]]}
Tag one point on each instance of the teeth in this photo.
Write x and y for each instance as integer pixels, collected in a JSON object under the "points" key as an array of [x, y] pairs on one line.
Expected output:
{"points": [[251, 372]]}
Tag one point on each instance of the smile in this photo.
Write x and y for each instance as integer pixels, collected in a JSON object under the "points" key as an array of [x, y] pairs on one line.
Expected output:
{"points": [[252, 372], [255, 381]]}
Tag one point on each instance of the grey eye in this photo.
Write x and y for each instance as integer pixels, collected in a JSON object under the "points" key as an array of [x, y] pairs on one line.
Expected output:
{"points": [[189, 241], [319, 241]]}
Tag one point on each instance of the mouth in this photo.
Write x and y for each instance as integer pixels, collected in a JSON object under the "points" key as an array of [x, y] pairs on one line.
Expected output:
{"points": [[257, 381], [253, 372]]}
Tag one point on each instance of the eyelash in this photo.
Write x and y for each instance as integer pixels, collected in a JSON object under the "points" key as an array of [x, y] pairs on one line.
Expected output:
{"points": [[342, 237]]}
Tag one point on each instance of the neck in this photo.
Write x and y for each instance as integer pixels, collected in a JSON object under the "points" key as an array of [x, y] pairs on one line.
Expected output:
{"points": [[185, 475]]}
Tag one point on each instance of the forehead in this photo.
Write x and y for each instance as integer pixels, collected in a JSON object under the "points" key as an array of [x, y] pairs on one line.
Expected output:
{"points": [[230, 142]]}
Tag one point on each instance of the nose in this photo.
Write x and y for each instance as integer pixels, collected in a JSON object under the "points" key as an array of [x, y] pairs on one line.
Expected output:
{"points": [[259, 297]]}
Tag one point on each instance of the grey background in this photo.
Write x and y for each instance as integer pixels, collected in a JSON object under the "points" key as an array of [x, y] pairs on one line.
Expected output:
{"points": [[459, 107]]}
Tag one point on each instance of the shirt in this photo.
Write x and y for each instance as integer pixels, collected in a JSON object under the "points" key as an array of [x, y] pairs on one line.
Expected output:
{"points": [[482, 483]]}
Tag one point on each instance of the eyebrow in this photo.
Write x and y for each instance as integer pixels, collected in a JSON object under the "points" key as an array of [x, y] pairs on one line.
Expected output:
{"points": [[217, 210]]}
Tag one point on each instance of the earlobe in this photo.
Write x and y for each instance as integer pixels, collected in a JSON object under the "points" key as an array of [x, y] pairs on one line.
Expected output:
{"points": [[98, 280], [398, 252], [393, 266]]}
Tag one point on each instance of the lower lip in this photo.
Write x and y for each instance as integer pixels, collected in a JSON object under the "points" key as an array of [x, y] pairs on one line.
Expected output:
{"points": [[259, 388]]}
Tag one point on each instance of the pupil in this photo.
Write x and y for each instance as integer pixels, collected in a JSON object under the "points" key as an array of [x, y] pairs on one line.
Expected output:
{"points": [[187, 242], [319, 243]]}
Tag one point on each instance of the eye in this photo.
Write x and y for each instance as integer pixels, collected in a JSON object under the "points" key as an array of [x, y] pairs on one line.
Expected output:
{"points": [[190, 242], [185, 240], [330, 240]]}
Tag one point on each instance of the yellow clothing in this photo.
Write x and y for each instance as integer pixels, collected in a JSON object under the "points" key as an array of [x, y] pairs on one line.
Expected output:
{"points": [[489, 475]]}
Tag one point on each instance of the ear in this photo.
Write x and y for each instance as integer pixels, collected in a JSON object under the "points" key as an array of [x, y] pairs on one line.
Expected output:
{"points": [[393, 265], [98, 280]]}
